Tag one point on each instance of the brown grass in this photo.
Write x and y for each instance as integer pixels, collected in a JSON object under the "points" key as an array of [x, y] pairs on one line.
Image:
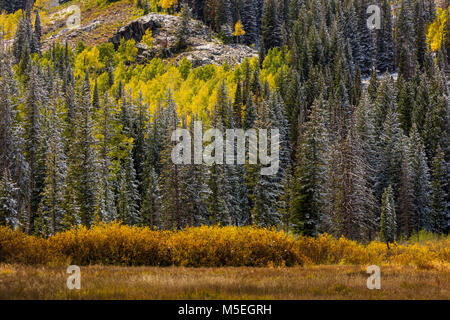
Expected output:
{"points": [[312, 282]]}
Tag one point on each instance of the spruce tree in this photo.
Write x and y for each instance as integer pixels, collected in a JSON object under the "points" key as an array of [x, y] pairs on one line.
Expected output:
{"points": [[439, 188], [8, 203], [384, 40], [106, 209], [420, 182], [169, 180], [128, 196], [271, 27], [33, 138], [150, 208], [309, 185], [388, 221], [81, 196], [54, 184], [249, 22]]}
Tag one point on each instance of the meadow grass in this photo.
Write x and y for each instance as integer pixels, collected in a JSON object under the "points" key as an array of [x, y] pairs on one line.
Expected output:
{"points": [[312, 282]]}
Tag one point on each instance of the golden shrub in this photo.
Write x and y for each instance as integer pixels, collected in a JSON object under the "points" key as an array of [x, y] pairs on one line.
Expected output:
{"points": [[210, 246]]}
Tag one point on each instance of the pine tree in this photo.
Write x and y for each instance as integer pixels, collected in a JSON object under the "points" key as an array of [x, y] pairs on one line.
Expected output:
{"points": [[439, 187], [80, 199], [237, 105], [8, 203], [271, 27], [267, 188], [384, 40], [170, 173], [220, 197], [139, 131], [194, 190], [372, 88], [248, 17], [405, 194], [106, 210], [128, 196], [422, 103], [37, 35], [388, 223], [405, 49], [389, 154], [22, 38], [182, 32], [51, 206], [405, 103], [222, 19], [367, 50], [420, 182], [95, 97], [421, 41], [150, 209], [309, 186], [33, 138], [384, 103]]}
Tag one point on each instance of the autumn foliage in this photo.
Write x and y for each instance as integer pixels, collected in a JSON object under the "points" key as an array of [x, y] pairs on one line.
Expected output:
{"points": [[209, 246]]}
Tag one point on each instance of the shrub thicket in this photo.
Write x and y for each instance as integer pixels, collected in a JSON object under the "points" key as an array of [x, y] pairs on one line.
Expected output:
{"points": [[210, 246]]}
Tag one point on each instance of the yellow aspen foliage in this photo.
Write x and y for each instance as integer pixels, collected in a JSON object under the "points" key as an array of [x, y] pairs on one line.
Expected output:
{"points": [[212, 246], [147, 39], [8, 23], [437, 31], [167, 4], [238, 29]]}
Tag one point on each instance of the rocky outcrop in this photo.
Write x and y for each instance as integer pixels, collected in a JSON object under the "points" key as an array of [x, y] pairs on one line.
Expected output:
{"points": [[203, 45]]}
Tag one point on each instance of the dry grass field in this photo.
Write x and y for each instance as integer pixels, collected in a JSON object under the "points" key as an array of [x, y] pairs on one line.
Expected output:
{"points": [[311, 282]]}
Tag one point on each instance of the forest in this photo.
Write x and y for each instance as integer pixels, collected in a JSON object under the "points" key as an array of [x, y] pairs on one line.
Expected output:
{"points": [[363, 116]]}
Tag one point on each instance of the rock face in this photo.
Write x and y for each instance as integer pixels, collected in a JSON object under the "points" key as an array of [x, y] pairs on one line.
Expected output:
{"points": [[203, 46]]}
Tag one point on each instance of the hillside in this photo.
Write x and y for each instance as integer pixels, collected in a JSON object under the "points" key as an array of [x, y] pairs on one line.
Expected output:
{"points": [[122, 19]]}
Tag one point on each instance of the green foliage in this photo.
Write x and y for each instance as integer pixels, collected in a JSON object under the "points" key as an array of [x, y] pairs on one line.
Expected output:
{"points": [[185, 68]]}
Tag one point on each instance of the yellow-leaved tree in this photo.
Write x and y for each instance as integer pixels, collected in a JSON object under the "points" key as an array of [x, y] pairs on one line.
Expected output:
{"points": [[167, 4], [238, 30], [437, 31], [147, 39]]}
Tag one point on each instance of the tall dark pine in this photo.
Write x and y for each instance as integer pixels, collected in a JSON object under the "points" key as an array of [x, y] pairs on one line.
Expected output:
{"points": [[248, 19], [32, 126], [384, 40], [270, 28]]}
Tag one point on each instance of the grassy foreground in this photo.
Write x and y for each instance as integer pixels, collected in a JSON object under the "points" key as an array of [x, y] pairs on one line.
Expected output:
{"points": [[313, 282]]}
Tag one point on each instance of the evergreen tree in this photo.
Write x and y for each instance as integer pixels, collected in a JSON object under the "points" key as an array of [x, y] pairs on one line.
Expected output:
{"points": [[309, 186], [37, 34], [194, 190], [384, 40], [128, 196], [220, 197], [169, 179], [439, 187], [33, 138], [405, 49], [389, 152], [80, 199], [388, 223], [271, 27], [420, 182], [267, 189], [51, 206], [249, 22], [8, 204], [421, 41], [182, 31], [150, 209], [106, 209]]}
